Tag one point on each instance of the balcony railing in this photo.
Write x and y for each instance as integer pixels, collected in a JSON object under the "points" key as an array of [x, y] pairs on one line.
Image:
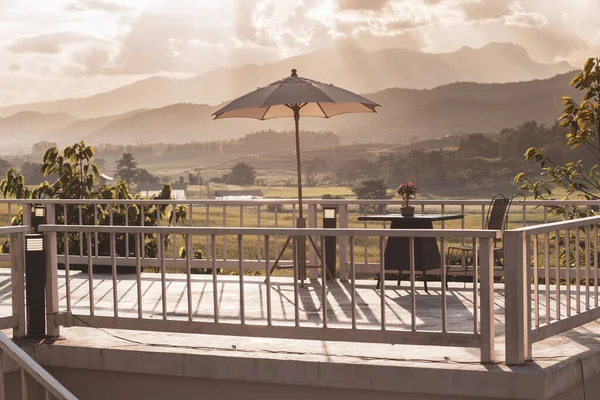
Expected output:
{"points": [[551, 282], [236, 323], [550, 269], [281, 213]]}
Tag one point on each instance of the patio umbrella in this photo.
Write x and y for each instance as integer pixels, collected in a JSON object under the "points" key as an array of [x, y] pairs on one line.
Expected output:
{"points": [[296, 97]]}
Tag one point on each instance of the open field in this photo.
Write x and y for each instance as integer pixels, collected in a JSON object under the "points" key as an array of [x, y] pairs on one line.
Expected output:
{"points": [[280, 163]]}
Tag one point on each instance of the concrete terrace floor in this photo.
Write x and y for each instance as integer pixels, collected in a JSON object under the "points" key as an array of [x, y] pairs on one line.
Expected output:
{"points": [[550, 354], [397, 303], [368, 301]]}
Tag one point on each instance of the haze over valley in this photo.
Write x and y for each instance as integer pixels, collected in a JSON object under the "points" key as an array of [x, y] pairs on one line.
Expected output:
{"points": [[145, 77], [156, 108]]}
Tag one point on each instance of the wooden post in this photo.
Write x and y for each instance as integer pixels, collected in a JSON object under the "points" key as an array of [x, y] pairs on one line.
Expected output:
{"points": [[517, 331], [528, 299], [301, 251], [53, 329], [27, 215], [17, 255], [486, 271], [312, 254], [343, 242]]}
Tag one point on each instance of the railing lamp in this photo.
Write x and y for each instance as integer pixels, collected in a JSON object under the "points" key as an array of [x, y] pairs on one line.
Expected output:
{"points": [[38, 217], [39, 211]]}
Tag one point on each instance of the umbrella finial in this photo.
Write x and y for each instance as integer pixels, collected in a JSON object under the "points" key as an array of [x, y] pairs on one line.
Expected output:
{"points": [[294, 72]]}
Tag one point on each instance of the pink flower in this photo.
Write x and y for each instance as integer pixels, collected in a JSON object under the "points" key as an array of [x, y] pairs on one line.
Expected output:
{"points": [[407, 191]]}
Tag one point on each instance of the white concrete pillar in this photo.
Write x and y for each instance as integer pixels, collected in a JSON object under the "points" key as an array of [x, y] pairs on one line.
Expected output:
{"points": [[517, 329], [486, 271]]}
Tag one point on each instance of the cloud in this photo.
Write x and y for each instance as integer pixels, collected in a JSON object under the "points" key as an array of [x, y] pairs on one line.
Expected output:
{"points": [[110, 41], [526, 20], [362, 4], [92, 59], [511, 13], [99, 5], [380, 18], [260, 31], [46, 43], [163, 42], [522, 18], [480, 10]]}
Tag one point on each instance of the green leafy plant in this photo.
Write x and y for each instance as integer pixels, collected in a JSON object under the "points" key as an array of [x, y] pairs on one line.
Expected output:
{"points": [[77, 178], [582, 124]]}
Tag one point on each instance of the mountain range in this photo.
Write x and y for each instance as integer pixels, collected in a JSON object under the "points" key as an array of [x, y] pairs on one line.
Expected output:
{"points": [[354, 69], [167, 110], [406, 115]]}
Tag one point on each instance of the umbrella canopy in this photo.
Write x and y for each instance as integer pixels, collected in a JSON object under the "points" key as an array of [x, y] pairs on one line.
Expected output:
{"points": [[281, 98], [296, 97]]}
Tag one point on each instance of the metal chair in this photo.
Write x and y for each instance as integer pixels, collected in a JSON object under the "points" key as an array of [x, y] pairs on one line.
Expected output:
{"points": [[496, 219]]}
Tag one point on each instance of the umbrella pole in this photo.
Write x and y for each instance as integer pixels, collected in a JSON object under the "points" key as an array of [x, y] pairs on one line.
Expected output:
{"points": [[298, 163], [300, 241]]}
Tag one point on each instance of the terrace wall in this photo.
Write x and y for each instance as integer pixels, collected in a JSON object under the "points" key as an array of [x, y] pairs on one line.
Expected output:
{"points": [[103, 384]]}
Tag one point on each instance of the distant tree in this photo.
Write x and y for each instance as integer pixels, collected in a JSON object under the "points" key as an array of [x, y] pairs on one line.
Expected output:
{"points": [[127, 168], [311, 168], [32, 173], [375, 189], [4, 167], [39, 149], [198, 173], [511, 142], [146, 178], [477, 145], [371, 189], [192, 179], [583, 124], [357, 170], [241, 174], [195, 178]]}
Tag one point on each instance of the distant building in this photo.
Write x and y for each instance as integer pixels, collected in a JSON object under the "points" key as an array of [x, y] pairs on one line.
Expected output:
{"points": [[177, 190], [238, 194]]}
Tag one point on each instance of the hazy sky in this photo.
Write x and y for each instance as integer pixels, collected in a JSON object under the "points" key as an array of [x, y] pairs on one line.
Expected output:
{"points": [[71, 48]]}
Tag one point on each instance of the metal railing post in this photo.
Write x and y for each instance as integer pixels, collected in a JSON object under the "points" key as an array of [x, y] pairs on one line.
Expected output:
{"points": [[17, 255], [53, 328], [515, 284], [343, 241], [486, 273]]}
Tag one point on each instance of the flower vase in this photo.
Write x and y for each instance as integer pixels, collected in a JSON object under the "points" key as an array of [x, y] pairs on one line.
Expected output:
{"points": [[407, 211]]}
